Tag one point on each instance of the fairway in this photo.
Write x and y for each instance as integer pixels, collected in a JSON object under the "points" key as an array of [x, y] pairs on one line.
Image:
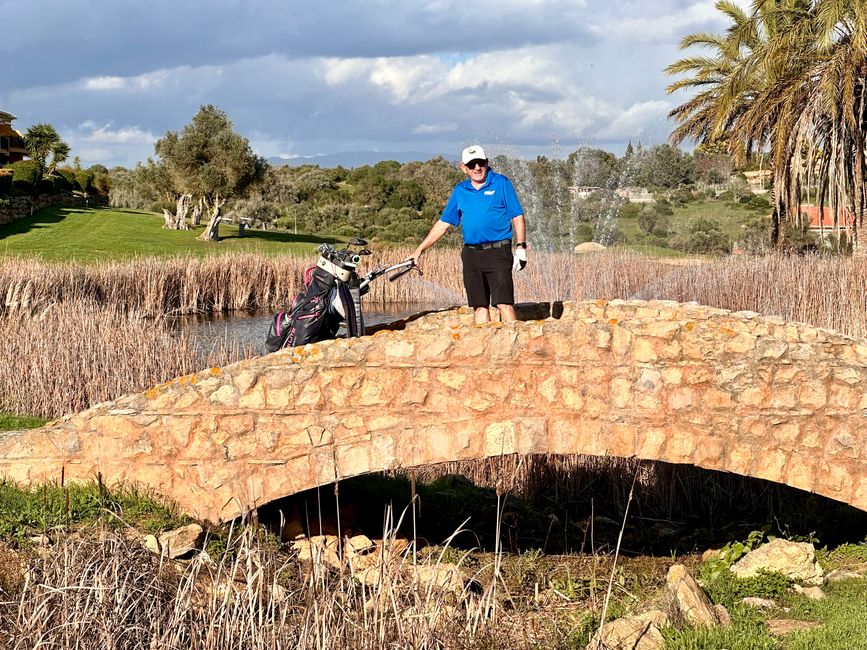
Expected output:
{"points": [[95, 234]]}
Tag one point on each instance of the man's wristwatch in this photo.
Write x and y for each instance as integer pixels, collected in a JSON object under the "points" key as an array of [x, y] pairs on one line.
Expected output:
{"points": [[521, 244]]}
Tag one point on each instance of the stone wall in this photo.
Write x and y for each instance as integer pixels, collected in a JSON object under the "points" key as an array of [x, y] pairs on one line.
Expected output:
{"points": [[23, 206], [657, 380]]}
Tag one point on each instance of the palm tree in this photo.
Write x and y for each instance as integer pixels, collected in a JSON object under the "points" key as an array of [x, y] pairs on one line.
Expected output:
{"points": [[42, 141], [789, 75]]}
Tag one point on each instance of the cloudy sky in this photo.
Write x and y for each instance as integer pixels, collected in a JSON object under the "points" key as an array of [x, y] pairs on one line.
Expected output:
{"points": [[302, 77]]}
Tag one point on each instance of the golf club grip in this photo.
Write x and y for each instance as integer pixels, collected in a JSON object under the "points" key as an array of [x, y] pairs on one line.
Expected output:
{"points": [[399, 274]]}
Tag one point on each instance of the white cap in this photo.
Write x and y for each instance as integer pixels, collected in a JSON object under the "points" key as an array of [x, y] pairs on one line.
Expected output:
{"points": [[473, 152]]}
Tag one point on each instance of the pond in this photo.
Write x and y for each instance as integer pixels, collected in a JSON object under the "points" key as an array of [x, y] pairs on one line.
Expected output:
{"points": [[250, 328]]}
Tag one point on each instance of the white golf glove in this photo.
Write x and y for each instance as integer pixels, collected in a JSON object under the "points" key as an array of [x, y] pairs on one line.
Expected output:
{"points": [[520, 259]]}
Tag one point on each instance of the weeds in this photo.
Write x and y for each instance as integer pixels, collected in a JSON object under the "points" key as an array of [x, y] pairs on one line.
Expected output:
{"points": [[32, 511]]}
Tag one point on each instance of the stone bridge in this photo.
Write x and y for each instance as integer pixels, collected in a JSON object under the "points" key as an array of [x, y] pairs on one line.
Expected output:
{"points": [[664, 381]]}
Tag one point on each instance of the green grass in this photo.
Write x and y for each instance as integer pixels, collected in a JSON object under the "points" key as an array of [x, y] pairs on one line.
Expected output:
{"points": [[10, 422], [31, 511], [95, 234], [731, 216]]}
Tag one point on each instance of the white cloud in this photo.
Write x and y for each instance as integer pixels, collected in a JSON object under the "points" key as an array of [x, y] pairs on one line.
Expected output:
{"points": [[427, 129], [104, 83], [299, 79], [658, 26], [105, 134], [635, 120]]}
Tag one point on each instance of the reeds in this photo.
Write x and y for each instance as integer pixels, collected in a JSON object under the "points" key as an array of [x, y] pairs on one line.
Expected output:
{"points": [[823, 291], [70, 355], [829, 292], [113, 594]]}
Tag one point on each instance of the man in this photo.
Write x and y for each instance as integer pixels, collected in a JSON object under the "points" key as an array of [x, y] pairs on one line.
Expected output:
{"points": [[487, 209]]}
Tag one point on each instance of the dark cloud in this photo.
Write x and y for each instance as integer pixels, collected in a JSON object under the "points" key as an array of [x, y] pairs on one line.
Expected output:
{"points": [[307, 78], [63, 40]]}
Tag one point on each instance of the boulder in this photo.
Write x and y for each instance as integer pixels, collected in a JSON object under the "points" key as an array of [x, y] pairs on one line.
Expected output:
{"points": [[589, 247], [759, 603], [639, 632], [320, 549], [795, 560], [175, 543], [813, 593], [692, 603], [440, 577], [783, 626]]}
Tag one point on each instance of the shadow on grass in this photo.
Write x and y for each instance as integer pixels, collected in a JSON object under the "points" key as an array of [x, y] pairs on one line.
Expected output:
{"points": [[44, 218]]}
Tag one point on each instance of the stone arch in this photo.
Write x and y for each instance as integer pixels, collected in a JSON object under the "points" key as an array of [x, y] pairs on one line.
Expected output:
{"points": [[664, 381]]}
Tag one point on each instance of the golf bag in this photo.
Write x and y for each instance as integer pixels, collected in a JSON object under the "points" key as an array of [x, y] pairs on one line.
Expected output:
{"points": [[332, 295]]}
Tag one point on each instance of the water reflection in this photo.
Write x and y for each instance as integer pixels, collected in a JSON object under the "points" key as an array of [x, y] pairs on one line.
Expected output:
{"points": [[248, 329]]}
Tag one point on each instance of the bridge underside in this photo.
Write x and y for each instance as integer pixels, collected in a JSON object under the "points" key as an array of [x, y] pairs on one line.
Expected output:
{"points": [[656, 380]]}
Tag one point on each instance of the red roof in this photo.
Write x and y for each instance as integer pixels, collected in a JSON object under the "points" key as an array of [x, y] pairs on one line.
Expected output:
{"points": [[827, 219]]}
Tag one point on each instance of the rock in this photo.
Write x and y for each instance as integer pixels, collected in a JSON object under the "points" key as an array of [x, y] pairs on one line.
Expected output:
{"points": [[440, 577], [795, 560], [151, 543], [691, 601], [321, 549], [813, 593], [838, 574], [711, 554], [640, 632], [40, 540], [177, 543], [589, 247], [359, 545], [759, 603], [725, 619], [782, 626]]}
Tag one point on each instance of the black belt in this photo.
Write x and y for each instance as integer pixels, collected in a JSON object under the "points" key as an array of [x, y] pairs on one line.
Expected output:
{"points": [[491, 244]]}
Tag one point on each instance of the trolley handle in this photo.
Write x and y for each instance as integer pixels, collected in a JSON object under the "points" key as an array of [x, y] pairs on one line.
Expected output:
{"points": [[410, 265]]}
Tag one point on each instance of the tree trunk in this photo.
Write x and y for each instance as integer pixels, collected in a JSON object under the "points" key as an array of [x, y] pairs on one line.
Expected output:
{"points": [[210, 232], [196, 217], [178, 221]]}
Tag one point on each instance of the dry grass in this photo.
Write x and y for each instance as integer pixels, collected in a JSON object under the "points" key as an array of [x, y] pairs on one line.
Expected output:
{"points": [[112, 593], [828, 292], [71, 355]]}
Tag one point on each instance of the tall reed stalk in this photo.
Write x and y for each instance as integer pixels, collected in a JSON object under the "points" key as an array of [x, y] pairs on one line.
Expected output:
{"points": [[73, 354], [113, 594]]}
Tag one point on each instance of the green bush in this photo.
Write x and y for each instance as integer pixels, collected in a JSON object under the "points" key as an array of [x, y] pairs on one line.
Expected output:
{"points": [[629, 211], [26, 176], [5, 181], [84, 180], [61, 183]]}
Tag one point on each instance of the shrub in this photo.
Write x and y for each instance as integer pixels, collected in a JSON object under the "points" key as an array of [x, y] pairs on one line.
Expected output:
{"points": [[5, 181], [647, 219], [26, 176], [629, 210], [703, 237], [84, 180], [61, 183], [583, 232]]}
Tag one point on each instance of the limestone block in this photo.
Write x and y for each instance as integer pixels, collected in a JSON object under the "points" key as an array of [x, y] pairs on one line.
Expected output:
{"points": [[692, 603], [181, 541], [640, 632], [795, 560]]}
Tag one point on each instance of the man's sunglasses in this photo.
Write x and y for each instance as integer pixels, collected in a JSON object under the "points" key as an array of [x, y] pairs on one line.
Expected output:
{"points": [[477, 163]]}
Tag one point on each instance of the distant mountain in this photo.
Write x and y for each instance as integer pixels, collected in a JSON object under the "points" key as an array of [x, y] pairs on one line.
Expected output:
{"points": [[357, 158]]}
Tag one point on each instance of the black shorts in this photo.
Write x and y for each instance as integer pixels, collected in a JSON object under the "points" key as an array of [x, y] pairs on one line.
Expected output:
{"points": [[488, 276]]}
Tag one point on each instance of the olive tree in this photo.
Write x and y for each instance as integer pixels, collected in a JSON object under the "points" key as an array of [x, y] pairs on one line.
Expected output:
{"points": [[208, 161]]}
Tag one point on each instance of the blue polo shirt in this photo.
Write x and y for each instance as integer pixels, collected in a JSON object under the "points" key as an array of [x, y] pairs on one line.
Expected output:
{"points": [[484, 214]]}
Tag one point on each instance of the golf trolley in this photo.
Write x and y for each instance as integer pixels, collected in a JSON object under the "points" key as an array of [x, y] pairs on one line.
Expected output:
{"points": [[331, 296]]}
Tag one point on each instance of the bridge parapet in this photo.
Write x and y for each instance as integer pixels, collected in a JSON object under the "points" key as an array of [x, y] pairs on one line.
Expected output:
{"points": [[665, 381]]}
